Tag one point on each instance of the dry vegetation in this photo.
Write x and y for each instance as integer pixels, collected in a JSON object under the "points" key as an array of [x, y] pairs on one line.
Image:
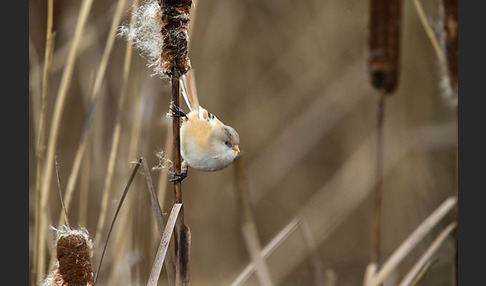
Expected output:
{"points": [[291, 78]]}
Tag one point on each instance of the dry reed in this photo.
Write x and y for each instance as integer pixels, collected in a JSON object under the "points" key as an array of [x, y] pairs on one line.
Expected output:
{"points": [[426, 258], [162, 253], [412, 240], [50, 37]]}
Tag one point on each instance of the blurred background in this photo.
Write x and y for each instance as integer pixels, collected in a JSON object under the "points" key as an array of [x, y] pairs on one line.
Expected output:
{"points": [[291, 78]]}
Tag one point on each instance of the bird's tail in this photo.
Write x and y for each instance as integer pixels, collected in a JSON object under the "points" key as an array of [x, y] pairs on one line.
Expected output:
{"points": [[188, 84]]}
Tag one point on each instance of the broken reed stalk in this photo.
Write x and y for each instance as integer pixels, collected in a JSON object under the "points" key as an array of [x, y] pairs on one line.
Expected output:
{"points": [[49, 50], [383, 66], [248, 225], [164, 245]]}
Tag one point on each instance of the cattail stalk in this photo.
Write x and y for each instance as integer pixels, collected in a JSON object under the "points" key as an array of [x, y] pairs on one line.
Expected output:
{"points": [[161, 33], [181, 232], [451, 39], [383, 66], [174, 63], [378, 195]]}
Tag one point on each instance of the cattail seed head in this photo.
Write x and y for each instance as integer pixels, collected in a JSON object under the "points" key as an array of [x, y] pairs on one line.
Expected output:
{"points": [[175, 21], [159, 31], [73, 265], [384, 44]]}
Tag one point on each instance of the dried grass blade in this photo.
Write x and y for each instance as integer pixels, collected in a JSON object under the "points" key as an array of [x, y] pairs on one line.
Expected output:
{"points": [[416, 236], [164, 244], [430, 33], [132, 176], [426, 257], [37, 264], [267, 250]]}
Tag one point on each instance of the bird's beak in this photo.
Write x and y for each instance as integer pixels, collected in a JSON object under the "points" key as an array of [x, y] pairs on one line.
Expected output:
{"points": [[236, 148]]}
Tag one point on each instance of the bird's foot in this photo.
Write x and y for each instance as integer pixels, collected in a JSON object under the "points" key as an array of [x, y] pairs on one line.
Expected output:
{"points": [[176, 111], [179, 176]]}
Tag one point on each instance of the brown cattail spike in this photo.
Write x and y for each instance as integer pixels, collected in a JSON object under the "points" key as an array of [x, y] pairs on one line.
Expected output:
{"points": [[451, 39], [73, 259], [384, 43], [175, 22]]}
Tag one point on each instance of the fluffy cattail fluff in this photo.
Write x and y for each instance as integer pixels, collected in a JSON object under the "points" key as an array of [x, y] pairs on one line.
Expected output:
{"points": [[384, 43], [160, 32], [73, 265]]}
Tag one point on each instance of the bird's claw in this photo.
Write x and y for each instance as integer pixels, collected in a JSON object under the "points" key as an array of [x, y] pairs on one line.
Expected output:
{"points": [[177, 112], [180, 176]]}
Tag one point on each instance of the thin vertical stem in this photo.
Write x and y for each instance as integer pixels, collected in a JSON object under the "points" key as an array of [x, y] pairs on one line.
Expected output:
{"points": [[377, 211], [176, 140], [181, 234]]}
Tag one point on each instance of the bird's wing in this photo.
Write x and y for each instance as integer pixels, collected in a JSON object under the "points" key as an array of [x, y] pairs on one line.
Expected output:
{"points": [[208, 116]]}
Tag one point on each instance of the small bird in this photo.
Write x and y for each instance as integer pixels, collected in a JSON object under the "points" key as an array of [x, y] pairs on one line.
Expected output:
{"points": [[207, 144]]}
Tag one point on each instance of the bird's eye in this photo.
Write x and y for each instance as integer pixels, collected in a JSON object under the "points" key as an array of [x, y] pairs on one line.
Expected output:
{"points": [[227, 143]]}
